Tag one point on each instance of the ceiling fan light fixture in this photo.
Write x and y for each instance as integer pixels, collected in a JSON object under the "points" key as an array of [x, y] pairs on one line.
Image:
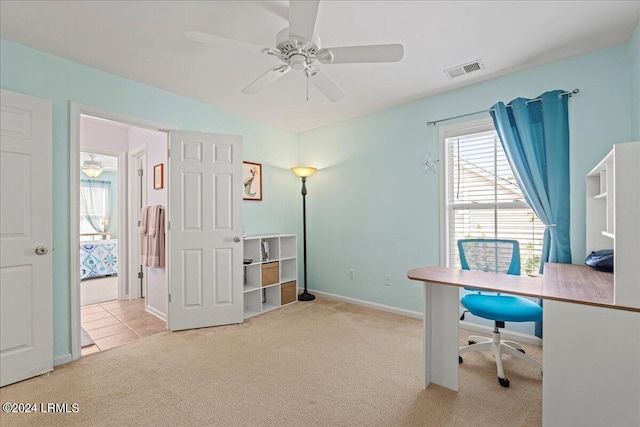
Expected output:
{"points": [[92, 168], [298, 47], [298, 61]]}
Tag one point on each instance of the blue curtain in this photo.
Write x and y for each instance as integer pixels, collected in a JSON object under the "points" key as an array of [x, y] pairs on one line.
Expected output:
{"points": [[535, 138]]}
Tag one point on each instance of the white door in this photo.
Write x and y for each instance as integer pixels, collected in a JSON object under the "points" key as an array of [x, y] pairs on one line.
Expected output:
{"points": [[205, 235], [26, 305]]}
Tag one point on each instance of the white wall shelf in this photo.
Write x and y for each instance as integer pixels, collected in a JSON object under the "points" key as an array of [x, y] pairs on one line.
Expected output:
{"points": [[612, 212], [260, 252]]}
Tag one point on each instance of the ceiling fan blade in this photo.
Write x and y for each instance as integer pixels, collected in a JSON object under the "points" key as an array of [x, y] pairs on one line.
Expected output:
{"points": [[266, 79], [326, 85], [302, 18], [356, 54], [222, 41]]}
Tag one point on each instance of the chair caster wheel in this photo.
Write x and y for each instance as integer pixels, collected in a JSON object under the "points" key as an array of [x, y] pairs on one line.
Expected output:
{"points": [[471, 342], [503, 382], [459, 359], [521, 350]]}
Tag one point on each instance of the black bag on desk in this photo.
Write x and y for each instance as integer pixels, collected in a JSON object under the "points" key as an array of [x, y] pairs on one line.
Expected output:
{"points": [[601, 260]]}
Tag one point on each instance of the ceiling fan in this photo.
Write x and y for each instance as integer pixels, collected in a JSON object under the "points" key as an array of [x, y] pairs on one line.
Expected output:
{"points": [[298, 47]]}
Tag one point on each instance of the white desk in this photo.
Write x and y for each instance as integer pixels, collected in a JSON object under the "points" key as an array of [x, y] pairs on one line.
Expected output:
{"points": [[591, 352]]}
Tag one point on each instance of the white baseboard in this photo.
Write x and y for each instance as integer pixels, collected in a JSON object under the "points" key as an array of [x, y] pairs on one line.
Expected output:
{"points": [[61, 360], [156, 313], [473, 327], [382, 307]]}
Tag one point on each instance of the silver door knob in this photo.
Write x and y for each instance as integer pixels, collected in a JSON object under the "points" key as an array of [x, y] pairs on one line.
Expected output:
{"points": [[41, 250], [237, 239]]}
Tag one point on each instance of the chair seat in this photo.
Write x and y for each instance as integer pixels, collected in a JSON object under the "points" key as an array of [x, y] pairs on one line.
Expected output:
{"points": [[505, 308]]}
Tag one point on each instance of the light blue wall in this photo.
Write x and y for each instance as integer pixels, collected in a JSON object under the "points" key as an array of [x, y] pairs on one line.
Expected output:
{"points": [[372, 208], [35, 73], [634, 53]]}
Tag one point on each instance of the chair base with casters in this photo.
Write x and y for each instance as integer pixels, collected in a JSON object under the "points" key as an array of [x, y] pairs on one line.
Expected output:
{"points": [[508, 308]]}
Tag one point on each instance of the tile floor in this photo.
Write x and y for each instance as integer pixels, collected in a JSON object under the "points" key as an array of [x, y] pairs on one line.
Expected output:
{"points": [[115, 323]]}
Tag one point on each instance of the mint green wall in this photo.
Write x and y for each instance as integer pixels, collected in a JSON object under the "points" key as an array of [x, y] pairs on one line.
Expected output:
{"points": [[372, 208], [634, 53], [38, 74]]}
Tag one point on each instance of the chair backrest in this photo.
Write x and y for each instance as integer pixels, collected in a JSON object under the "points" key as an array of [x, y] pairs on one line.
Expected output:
{"points": [[491, 255]]}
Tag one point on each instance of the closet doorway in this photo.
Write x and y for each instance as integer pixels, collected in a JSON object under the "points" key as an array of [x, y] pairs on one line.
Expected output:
{"points": [[111, 303]]}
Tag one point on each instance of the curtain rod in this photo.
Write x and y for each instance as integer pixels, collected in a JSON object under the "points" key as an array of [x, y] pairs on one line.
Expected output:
{"points": [[569, 94]]}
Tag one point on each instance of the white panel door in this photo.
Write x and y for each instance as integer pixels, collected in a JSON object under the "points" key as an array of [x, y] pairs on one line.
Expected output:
{"points": [[26, 305], [205, 236]]}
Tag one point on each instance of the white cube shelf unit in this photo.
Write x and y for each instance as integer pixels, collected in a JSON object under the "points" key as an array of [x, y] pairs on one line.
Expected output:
{"points": [[270, 268], [613, 217]]}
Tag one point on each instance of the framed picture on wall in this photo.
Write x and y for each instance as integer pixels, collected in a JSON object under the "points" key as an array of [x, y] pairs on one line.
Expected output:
{"points": [[251, 181], [158, 176]]}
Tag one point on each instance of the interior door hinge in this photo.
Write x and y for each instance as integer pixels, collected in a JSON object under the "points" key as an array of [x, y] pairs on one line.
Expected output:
{"points": [[168, 152], [168, 225], [140, 172], [169, 297], [140, 274]]}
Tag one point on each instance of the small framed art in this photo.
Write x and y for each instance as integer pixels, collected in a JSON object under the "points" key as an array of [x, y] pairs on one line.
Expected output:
{"points": [[158, 176], [251, 181]]}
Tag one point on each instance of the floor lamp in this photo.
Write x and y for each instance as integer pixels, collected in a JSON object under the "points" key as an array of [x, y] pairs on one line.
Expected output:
{"points": [[304, 172]]}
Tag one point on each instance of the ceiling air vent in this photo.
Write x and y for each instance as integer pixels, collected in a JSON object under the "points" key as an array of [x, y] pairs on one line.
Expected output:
{"points": [[463, 69]]}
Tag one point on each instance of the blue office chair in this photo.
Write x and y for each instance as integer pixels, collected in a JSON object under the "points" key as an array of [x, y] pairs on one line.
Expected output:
{"points": [[498, 256]]}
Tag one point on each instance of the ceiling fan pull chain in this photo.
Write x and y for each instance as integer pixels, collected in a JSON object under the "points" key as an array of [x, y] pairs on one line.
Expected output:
{"points": [[307, 86]]}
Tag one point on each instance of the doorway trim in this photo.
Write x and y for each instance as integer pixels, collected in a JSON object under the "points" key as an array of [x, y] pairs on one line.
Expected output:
{"points": [[133, 243], [75, 111]]}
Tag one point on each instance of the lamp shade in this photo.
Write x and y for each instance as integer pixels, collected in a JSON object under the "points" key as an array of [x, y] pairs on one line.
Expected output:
{"points": [[303, 171]]}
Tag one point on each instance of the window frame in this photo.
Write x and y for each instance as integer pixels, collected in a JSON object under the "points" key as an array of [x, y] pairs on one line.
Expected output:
{"points": [[452, 131]]}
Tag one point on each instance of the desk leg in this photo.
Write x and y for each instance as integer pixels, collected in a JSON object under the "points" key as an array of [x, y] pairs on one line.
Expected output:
{"points": [[440, 328]]}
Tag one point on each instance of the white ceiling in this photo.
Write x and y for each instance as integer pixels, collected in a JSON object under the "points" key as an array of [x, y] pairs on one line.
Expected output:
{"points": [[145, 41], [109, 163]]}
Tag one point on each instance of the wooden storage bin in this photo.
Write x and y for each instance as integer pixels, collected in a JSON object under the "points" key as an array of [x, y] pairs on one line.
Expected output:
{"points": [[288, 293], [270, 273]]}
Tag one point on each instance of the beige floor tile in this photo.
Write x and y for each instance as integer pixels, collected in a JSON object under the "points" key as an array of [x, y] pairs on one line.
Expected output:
{"points": [[94, 316], [148, 330], [147, 320], [90, 349], [125, 303], [125, 310], [124, 317], [90, 309], [108, 331], [100, 323], [116, 340]]}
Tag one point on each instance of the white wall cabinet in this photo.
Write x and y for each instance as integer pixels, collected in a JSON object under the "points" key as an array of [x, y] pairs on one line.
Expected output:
{"points": [[613, 217], [270, 273]]}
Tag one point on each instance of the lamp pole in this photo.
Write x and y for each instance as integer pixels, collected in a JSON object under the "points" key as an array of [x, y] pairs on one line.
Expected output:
{"points": [[304, 173], [304, 296]]}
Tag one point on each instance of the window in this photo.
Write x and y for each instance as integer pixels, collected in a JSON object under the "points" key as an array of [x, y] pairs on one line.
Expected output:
{"points": [[482, 197], [95, 206]]}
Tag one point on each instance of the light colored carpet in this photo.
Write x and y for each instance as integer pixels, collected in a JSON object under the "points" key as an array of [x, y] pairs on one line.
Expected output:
{"points": [[320, 363]]}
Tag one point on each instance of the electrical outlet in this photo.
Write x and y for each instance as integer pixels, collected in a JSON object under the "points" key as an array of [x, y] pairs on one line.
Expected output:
{"points": [[387, 279], [352, 274]]}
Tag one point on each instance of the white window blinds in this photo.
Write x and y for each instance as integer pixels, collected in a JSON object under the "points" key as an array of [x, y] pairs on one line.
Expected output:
{"points": [[485, 201]]}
